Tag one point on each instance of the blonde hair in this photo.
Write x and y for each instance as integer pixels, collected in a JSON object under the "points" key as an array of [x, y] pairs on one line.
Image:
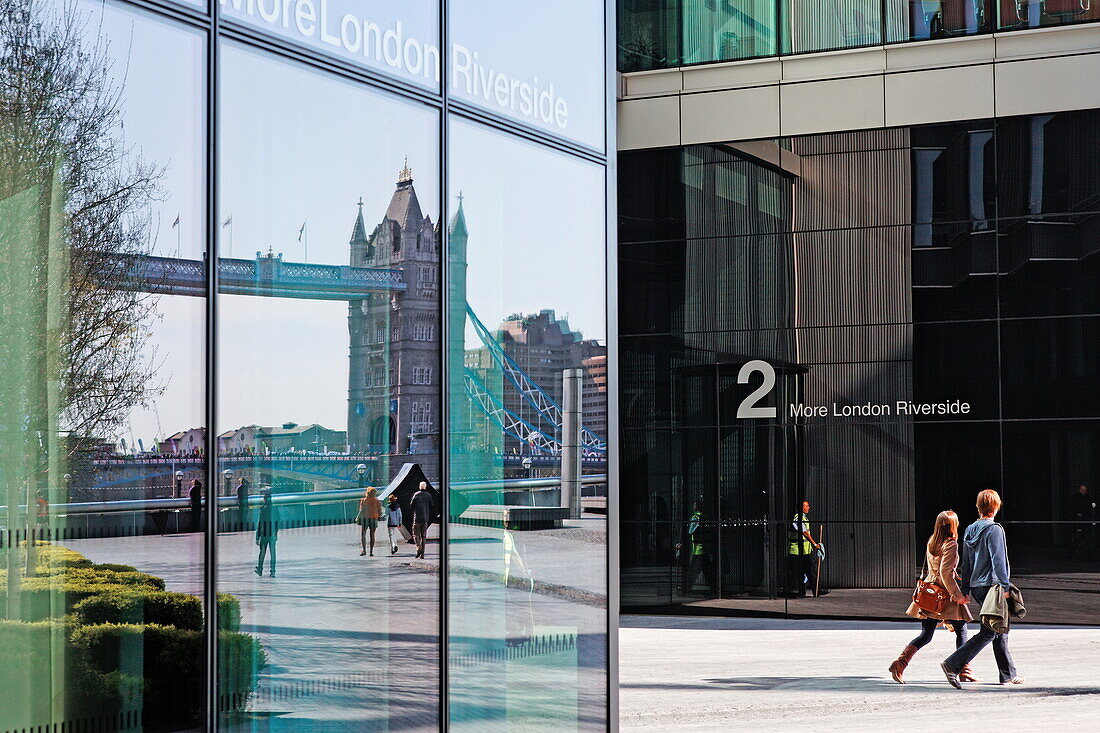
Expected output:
{"points": [[989, 502], [371, 492], [946, 528]]}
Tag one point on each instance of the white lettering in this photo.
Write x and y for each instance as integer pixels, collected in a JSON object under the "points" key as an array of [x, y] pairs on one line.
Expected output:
{"points": [[392, 35], [461, 67], [351, 33], [372, 29], [272, 15], [561, 113], [327, 37], [413, 51], [305, 17]]}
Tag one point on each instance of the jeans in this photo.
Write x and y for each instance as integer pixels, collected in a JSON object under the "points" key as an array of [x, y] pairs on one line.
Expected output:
{"points": [[928, 626], [420, 534], [266, 543], [964, 654]]}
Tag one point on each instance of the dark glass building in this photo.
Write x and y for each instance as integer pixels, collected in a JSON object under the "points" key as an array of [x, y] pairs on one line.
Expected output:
{"points": [[881, 319]]}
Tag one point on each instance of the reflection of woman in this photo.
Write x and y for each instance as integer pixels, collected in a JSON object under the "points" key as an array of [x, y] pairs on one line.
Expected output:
{"points": [[941, 558], [370, 511], [393, 521]]}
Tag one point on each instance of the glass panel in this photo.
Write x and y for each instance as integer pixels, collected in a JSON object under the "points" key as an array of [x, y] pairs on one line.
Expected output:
{"points": [[329, 386], [917, 20], [528, 564], [533, 62], [395, 37], [822, 25], [102, 369], [1014, 14], [655, 34]]}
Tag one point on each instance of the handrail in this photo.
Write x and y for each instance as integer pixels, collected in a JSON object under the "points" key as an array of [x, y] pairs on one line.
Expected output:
{"points": [[303, 497]]}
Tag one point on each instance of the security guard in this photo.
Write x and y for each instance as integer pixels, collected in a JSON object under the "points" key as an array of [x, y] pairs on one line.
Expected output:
{"points": [[700, 558], [802, 553]]}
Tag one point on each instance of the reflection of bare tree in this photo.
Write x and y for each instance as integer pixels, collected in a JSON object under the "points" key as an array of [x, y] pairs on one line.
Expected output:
{"points": [[61, 148]]}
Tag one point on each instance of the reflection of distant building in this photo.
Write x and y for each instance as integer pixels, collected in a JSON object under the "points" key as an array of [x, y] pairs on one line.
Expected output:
{"points": [[184, 442], [286, 437], [594, 394], [543, 346], [393, 381]]}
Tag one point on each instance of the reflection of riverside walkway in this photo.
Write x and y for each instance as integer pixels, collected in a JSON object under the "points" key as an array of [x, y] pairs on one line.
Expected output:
{"points": [[352, 641]]}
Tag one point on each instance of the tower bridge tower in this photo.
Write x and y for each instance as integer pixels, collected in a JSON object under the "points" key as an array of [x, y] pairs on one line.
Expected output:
{"points": [[394, 380]]}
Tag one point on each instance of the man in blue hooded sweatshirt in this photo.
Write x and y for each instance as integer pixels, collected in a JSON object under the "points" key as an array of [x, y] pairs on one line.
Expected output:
{"points": [[983, 569]]}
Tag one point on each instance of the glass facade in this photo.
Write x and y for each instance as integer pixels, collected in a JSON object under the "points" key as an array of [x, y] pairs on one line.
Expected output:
{"points": [[881, 323], [386, 299], [658, 34]]}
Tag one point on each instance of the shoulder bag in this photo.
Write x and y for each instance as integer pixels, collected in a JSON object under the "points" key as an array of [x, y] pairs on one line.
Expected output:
{"points": [[930, 597]]}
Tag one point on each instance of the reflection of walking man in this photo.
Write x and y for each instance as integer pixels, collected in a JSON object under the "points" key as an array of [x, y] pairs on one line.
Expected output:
{"points": [[267, 533], [242, 502], [195, 496], [422, 506], [1082, 509], [802, 550], [699, 549]]}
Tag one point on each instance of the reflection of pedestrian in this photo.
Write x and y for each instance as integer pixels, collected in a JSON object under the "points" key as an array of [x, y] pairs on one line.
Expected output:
{"points": [[941, 558], [1082, 510], [267, 533], [370, 511], [195, 495], [422, 506], [700, 551], [393, 522], [242, 502], [984, 569], [802, 551]]}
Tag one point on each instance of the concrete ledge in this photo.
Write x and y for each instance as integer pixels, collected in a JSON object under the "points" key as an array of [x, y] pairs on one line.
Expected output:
{"points": [[1046, 42], [659, 81], [835, 64], [515, 517], [733, 75], [940, 53]]}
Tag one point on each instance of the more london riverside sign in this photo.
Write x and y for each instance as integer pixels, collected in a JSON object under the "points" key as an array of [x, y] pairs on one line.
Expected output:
{"points": [[391, 46], [749, 408]]}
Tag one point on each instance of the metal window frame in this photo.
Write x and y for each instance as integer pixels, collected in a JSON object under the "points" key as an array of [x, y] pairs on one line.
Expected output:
{"points": [[216, 31]]}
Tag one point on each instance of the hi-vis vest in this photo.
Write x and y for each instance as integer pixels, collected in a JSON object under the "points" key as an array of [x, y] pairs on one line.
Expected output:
{"points": [[800, 524]]}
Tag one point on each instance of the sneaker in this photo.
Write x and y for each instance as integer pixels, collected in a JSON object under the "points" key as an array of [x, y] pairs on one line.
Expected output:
{"points": [[258, 571], [1013, 681], [272, 574], [364, 552], [952, 677], [393, 550], [372, 553]]}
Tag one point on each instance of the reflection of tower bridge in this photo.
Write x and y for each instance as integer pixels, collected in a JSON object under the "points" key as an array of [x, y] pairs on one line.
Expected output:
{"points": [[392, 289]]}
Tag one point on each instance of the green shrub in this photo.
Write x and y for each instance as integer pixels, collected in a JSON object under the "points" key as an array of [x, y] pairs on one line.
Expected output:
{"points": [[139, 606], [229, 612], [98, 574], [169, 662], [118, 568]]}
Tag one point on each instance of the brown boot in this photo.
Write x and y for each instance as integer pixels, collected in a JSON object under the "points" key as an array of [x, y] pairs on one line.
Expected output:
{"points": [[898, 665], [967, 674]]}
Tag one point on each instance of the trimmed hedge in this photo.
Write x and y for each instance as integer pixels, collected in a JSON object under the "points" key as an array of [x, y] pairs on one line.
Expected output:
{"points": [[119, 642]]}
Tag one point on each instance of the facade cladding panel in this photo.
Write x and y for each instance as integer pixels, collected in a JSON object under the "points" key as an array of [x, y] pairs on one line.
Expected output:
{"points": [[942, 264], [282, 435]]}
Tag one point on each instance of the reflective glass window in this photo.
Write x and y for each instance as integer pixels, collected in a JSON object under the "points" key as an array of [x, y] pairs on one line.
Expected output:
{"points": [[329, 403], [527, 581], [824, 25], [398, 38], [1018, 14], [540, 73], [102, 369], [917, 20]]}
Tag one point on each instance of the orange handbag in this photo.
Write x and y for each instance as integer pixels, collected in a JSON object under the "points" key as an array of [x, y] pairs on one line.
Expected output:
{"points": [[930, 597]]}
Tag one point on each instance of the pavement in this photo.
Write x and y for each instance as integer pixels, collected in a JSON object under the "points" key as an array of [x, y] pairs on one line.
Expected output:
{"points": [[353, 642], [722, 674]]}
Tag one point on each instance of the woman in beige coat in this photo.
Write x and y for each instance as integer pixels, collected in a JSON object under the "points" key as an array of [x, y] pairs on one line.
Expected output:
{"points": [[941, 559]]}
